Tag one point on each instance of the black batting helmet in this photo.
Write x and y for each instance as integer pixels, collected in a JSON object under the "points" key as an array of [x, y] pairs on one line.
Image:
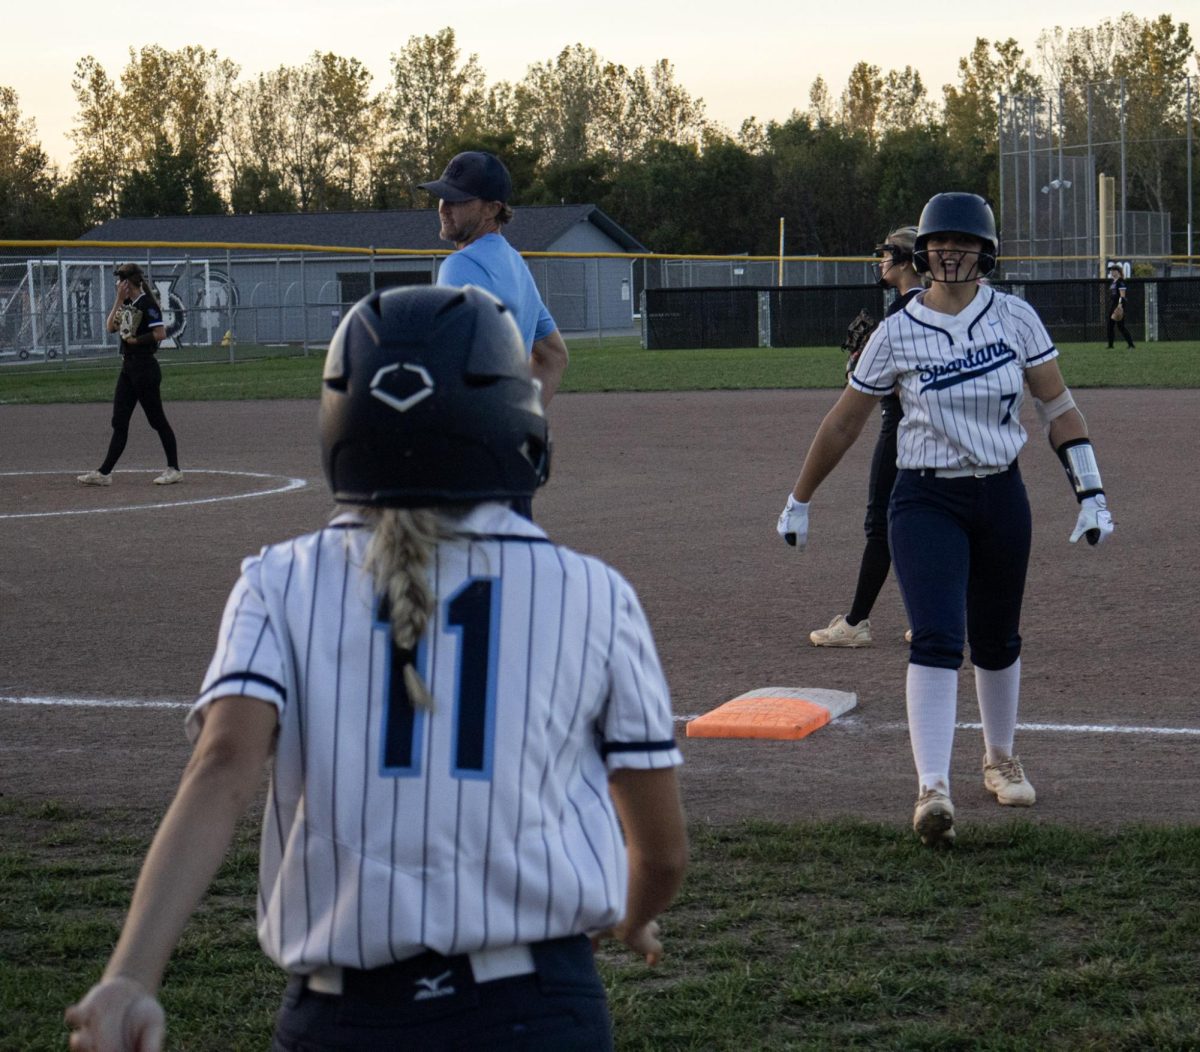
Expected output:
{"points": [[957, 213], [427, 400]]}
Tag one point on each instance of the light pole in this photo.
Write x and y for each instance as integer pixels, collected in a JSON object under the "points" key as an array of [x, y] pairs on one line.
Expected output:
{"points": [[1058, 185]]}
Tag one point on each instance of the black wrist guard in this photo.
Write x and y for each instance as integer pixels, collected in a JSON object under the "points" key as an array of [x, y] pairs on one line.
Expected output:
{"points": [[1079, 459]]}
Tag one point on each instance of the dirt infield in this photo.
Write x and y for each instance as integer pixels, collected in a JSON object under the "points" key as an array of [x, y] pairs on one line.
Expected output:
{"points": [[680, 492]]}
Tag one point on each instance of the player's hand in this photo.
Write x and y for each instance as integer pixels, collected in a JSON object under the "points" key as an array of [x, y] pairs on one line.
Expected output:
{"points": [[643, 941], [116, 1015], [793, 523], [1095, 520]]}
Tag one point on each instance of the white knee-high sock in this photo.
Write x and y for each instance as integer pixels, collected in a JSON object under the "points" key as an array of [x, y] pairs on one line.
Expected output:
{"points": [[998, 691], [932, 697]]}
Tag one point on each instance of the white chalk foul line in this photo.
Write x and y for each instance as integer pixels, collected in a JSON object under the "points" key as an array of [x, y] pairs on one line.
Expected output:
{"points": [[97, 703], [856, 721], [286, 485], [1052, 728]]}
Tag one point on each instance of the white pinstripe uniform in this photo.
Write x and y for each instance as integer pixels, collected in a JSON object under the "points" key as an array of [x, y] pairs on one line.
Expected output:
{"points": [[484, 823], [961, 378]]}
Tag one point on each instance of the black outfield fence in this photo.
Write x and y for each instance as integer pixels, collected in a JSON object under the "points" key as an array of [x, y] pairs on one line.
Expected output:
{"points": [[1074, 311]]}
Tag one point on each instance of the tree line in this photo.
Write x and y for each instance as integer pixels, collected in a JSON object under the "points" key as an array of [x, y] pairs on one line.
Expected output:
{"points": [[182, 132]]}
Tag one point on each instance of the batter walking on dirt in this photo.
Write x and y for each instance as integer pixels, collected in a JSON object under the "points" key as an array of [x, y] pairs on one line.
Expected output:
{"points": [[959, 521], [136, 315], [469, 735]]}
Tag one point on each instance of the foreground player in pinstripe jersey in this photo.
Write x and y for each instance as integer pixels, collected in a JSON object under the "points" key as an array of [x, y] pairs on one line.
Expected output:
{"points": [[460, 719], [959, 522]]}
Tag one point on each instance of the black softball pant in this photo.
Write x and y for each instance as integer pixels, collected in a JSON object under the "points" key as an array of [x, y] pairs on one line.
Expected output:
{"points": [[961, 546], [561, 1007], [1119, 326], [140, 380], [877, 557]]}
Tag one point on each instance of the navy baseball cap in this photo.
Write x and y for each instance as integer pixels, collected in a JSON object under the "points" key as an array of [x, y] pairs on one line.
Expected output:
{"points": [[470, 175]]}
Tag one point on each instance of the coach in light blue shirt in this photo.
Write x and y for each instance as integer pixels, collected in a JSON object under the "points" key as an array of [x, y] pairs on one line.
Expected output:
{"points": [[474, 191]]}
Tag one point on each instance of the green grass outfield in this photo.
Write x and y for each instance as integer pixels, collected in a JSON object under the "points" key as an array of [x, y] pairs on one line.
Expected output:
{"points": [[818, 936], [596, 365]]}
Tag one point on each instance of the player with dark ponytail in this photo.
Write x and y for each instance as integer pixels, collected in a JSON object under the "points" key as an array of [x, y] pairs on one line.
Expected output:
{"points": [[137, 316], [894, 270]]}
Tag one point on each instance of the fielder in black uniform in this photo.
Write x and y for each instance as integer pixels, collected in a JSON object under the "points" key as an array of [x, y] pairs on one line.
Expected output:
{"points": [[894, 270], [137, 316], [1116, 305]]}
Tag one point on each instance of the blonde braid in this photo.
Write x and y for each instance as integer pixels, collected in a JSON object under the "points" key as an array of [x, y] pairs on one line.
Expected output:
{"points": [[398, 557]]}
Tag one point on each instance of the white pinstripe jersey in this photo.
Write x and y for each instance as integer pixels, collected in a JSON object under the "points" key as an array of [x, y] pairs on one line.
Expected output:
{"points": [[961, 378], [483, 823]]}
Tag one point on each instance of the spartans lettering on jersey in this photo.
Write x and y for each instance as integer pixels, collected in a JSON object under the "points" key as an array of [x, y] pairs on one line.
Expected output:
{"points": [[975, 363]]}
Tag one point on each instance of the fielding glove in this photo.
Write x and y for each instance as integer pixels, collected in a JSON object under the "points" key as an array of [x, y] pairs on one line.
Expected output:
{"points": [[793, 523], [1095, 520]]}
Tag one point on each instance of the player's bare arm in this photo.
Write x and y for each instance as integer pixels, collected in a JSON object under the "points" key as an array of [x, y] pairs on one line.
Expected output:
{"points": [[839, 430], [651, 814], [548, 363], [1046, 384], [221, 778]]}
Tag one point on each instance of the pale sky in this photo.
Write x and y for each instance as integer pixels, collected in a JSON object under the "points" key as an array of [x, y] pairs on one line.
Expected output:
{"points": [[756, 58]]}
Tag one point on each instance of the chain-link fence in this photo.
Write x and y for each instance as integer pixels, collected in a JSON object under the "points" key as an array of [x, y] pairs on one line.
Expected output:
{"points": [[223, 303], [230, 303], [1078, 168]]}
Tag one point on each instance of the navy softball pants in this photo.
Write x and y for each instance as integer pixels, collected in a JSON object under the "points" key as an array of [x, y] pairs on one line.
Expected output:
{"points": [[960, 548], [560, 1007]]}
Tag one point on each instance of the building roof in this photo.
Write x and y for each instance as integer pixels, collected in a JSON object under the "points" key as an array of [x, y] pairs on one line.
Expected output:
{"points": [[535, 228]]}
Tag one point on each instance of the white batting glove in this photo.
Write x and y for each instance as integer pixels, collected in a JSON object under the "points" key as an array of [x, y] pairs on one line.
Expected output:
{"points": [[793, 523], [1095, 520]]}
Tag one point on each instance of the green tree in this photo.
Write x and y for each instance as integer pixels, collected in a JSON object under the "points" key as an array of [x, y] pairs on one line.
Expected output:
{"points": [[820, 103], [658, 108], [349, 116], [435, 100], [862, 101], [824, 181], [28, 181], [181, 96], [260, 189], [911, 165], [566, 108], [654, 197], [170, 183], [579, 108], [102, 145], [300, 136], [170, 108], [971, 111], [904, 103]]}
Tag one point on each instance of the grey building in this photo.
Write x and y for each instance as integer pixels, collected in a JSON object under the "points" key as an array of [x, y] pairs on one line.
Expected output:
{"points": [[248, 263]]}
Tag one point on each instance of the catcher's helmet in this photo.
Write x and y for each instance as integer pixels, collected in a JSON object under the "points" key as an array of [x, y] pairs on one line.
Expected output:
{"points": [[958, 213], [427, 399]]}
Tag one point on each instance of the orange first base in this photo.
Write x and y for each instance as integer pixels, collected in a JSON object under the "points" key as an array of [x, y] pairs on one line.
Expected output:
{"points": [[783, 713]]}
